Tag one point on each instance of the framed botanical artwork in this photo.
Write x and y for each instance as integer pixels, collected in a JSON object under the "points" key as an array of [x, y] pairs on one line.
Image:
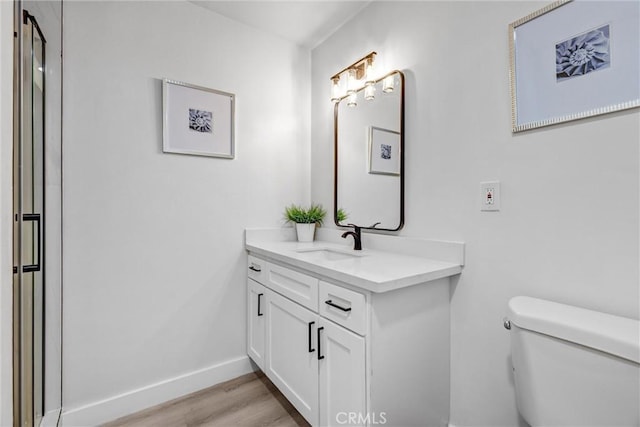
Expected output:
{"points": [[574, 59], [197, 120], [384, 151]]}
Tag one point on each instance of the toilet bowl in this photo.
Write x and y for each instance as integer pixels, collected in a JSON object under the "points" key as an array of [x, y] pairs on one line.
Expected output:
{"points": [[572, 366]]}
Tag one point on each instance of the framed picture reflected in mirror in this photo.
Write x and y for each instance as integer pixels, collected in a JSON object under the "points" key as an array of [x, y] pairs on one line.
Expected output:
{"points": [[384, 151]]}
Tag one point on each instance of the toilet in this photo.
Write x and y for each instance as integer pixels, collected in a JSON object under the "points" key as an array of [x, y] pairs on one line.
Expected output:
{"points": [[572, 366]]}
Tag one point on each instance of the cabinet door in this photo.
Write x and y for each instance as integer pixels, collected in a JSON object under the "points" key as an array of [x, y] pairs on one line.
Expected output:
{"points": [[342, 376], [292, 363], [256, 321]]}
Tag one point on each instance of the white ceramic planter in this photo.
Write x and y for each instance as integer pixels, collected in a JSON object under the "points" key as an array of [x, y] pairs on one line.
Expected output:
{"points": [[305, 232]]}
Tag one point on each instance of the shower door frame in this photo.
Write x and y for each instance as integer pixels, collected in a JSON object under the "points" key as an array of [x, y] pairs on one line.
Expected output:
{"points": [[28, 307]]}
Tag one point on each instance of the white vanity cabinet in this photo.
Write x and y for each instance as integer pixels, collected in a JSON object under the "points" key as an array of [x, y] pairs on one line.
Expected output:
{"points": [[319, 366], [256, 323], [292, 364], [342, 374], [346, 356]]}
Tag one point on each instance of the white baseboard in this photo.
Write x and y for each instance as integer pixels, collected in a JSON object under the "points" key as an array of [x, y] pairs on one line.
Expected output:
{"points": [[51, 418], [127, 403]]}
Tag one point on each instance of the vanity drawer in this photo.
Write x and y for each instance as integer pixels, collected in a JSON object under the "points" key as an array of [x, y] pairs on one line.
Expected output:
{"points": [[256, 269], [343, 306], [296, 286]]}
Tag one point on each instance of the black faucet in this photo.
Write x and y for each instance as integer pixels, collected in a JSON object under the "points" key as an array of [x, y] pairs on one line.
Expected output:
{"points": [[357, 237]]}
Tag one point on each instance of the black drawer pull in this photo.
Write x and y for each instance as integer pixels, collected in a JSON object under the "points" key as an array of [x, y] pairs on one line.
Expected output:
{"points": [[311, 350], [259, 312], [329, 302], [255, 269], [320, 356]]}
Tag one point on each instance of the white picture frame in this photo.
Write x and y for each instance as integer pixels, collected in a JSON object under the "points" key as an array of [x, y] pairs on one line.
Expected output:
{"points": [[384, 151], [197, 120], [574, 59]]}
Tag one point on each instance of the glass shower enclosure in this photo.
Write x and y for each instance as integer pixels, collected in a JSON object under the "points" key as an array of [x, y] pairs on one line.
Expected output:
{"points": [[28, 213]]}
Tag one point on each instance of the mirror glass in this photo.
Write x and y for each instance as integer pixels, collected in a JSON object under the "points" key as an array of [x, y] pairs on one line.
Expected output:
{"points": [[369, 165]]}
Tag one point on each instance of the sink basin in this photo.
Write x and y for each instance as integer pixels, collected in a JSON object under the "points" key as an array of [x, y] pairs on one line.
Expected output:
{"points": [[327, 254]]}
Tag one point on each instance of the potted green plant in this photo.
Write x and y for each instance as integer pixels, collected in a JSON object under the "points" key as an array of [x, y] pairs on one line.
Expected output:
{"points": [[341, 215], [305, 219]]}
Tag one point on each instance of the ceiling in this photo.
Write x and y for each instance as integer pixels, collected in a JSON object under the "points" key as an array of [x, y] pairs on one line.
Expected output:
{"points": [[306, 23]]}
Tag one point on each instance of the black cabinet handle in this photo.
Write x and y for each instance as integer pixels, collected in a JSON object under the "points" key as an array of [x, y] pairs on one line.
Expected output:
{"points": [[320, 356], [259, 312], [251, 267], [329, 302], [311, 350], [33, 267]]}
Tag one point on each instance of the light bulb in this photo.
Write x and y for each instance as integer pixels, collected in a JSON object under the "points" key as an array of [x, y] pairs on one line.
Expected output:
{"points": [[368, 72], [351, 81], [352, 102], [388, 84], [369, 92], [335, 89]]}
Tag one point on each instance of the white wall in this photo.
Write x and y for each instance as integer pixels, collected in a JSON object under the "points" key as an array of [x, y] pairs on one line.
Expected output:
{"points": [[6, 211], [568, 228], [154, 263]]}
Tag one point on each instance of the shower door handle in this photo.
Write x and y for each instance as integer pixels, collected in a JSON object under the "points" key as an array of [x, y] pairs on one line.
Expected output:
{"points": [[33, 267]]}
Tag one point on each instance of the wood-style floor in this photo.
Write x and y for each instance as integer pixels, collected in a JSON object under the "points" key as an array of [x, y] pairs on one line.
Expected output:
{"points": [[248, 401]]}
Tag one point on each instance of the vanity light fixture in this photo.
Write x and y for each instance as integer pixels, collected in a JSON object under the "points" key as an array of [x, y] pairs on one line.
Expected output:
{"points": [[370, 83], [388, 84], [335, 89], [370, 92], [368, 71], [358, 74], [352, 100], [352, 82]]}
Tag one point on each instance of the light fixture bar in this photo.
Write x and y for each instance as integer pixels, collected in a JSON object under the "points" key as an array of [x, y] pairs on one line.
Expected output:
{"points": [[376, 81], [360, 64]]}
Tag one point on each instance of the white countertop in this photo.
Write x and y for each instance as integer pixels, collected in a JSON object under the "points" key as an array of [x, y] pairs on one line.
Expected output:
{"points": [[371, 269]]}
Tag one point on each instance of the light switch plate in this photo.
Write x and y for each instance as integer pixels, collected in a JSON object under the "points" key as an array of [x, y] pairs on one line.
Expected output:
{"points": [[490, 196]]}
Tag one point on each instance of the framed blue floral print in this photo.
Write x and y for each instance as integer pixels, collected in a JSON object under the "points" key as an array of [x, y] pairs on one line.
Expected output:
{"points": [[197, 120], [574, 59]]}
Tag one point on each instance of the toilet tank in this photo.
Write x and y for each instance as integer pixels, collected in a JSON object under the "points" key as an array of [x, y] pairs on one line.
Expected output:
{"points": [[574, 367]]}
